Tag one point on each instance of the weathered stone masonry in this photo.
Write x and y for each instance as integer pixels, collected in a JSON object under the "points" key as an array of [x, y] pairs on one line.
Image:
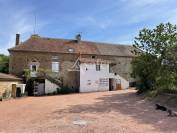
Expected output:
{"points": [[41, 50], [20, 61]]}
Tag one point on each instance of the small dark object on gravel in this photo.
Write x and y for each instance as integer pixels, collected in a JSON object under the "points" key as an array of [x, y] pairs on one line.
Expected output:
{"points": [[163, 108], [160, 107]]}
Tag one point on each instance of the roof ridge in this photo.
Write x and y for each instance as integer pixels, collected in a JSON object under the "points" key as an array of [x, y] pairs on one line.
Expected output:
{"points": [[50, 38], [86, 41]]}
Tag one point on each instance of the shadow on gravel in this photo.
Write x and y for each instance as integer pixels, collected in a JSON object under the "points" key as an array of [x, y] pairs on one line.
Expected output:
{"points": [[129, 104]]}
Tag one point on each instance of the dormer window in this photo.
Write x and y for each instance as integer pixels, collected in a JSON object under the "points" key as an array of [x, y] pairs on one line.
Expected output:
{"points": [[71, 50]]}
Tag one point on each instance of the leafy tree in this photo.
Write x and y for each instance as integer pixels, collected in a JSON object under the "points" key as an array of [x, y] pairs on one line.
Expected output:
{"points": [[155, 64], [167, 81], [4, 63]]}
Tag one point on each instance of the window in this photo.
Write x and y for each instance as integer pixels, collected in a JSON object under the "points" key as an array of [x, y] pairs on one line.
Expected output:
{"points": [[33, 68], [98, 67], [55, 66], [34, 65], [109, 68]]}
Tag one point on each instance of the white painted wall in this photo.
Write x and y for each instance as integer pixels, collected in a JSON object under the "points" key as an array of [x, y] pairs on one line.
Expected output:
{"points": [[50, 87], [124, 82], [90, 78], [22, 87]]}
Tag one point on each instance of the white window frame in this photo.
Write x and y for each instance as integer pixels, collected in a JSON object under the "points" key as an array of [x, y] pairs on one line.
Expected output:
{"points": [[34, 63], [31, 68], [55, 66]]}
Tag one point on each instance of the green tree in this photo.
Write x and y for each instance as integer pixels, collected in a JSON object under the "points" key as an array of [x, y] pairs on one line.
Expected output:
{"points": [[4, 63], [155, 64]]}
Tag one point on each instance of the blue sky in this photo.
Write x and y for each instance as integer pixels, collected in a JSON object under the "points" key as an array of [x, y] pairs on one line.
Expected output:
{"points": [[114, 21]]}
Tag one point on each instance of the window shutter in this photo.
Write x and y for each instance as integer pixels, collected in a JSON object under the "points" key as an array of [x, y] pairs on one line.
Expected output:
{"points": [[55, 66], [97, 67]]}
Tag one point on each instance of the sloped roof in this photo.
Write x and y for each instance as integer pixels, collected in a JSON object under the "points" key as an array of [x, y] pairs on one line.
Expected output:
{"points": [[41, 44], [8, 77]]}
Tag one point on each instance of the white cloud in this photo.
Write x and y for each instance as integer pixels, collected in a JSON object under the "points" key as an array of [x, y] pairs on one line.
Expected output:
{"points": [[23, 23], [125, 16]]}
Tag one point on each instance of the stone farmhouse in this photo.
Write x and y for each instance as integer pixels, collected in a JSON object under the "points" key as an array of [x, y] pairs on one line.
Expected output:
{"points": [[84, 65]]}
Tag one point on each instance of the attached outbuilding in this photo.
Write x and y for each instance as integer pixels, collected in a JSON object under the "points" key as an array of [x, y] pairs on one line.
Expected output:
{"points": [[7, 83], [96, 75]]}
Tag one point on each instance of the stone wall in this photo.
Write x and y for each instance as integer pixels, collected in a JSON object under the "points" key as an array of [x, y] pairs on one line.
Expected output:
{"points": [[20, 61], [6, 85], [122, 66]]}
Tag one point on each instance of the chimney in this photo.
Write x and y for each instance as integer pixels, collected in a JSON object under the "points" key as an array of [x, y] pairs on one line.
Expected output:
{"points": [[78, 37], [17, 39]]}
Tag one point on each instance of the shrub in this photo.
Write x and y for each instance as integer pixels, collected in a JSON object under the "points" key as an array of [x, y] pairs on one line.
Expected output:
{"points": [[66, 90], [4, 63], [152, 93], [6, 94]]}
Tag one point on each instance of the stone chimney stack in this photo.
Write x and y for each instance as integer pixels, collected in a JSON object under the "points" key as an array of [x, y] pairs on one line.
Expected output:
{"points": [[78, 37], [17, 39]]}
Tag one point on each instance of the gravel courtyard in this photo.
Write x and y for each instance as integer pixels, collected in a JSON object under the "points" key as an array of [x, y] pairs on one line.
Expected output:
{"points": [[101, 112]]}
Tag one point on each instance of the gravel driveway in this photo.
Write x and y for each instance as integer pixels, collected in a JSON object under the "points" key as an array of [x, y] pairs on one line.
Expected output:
{"points": [[101, 112]]}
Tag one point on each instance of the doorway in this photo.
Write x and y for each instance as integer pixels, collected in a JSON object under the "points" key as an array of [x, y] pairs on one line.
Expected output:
{"points": [[18, 92], [111, 85]]}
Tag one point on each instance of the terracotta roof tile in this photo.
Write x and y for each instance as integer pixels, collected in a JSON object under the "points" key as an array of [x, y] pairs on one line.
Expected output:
{"points": [[40, 44], [8, 77]]}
